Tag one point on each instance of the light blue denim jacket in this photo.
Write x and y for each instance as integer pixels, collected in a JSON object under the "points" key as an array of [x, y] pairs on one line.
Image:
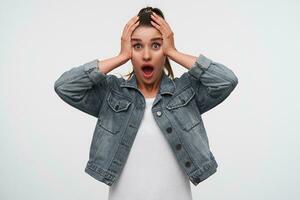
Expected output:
{"points": [[119, 106]]}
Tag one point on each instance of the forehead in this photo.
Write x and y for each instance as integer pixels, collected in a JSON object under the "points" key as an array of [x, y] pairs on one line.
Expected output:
{"points": [[145, 33]]}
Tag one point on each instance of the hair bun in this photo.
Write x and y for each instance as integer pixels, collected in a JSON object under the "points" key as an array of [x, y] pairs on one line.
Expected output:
{"points": [[148, 10]]}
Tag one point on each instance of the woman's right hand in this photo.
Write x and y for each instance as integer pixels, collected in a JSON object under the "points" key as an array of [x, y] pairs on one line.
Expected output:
{"points": [[126, 37]]}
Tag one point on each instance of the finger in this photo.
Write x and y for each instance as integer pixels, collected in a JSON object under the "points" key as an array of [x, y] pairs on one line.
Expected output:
{"points": [[160, 27], [157, 26], [135, 23], [134, 18], [164, 26], [160, 21], [157, 17], [130, 30], [132, 21]]}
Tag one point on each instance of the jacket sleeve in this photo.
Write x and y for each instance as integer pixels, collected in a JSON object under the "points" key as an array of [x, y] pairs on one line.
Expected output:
{"points": [[212, 81], [83, 87]]}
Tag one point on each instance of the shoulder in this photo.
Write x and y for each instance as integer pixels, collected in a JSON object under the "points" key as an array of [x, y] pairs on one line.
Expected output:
{"points": [[185, 80], [113, 79]]}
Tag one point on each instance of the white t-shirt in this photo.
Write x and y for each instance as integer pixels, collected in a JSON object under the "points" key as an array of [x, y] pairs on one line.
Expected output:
{"points": [[151, 171]]}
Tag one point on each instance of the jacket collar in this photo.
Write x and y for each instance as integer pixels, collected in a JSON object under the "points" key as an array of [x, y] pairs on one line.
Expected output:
{"points": [[167, 85]]}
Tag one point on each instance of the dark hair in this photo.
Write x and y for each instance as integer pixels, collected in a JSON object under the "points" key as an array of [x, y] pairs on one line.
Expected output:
{"points": [[145, 20]]}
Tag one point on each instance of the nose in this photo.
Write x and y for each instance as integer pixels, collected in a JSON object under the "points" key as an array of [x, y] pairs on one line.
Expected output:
{"points": [[147, 54]]}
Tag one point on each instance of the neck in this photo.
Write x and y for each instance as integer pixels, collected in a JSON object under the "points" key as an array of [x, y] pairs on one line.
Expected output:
{"points": [[149, 90]]}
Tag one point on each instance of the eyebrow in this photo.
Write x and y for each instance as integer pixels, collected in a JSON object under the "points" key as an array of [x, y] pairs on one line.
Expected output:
{"points": [[137, 39]]}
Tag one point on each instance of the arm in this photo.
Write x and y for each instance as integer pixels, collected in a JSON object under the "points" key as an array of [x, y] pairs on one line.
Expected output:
{"points": [[212, 81], [84, 87], [182, 59]]}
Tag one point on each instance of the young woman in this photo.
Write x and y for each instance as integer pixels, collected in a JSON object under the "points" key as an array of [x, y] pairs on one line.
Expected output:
{"points": [[149, 141]]}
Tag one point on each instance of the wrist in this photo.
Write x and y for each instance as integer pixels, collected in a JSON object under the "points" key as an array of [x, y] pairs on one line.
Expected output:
{"points": [[123, 58], [172, 54]]}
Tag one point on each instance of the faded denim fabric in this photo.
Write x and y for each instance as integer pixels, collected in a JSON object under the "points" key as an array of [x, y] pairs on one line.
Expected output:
{"points": [[119, 106]]}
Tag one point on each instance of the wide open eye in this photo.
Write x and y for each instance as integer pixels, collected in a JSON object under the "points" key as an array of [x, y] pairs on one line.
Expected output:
{"points": [[156, 45], [136, 46]]}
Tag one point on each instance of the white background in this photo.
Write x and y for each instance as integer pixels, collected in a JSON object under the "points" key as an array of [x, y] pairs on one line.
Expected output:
{"points": [[254, 134]]}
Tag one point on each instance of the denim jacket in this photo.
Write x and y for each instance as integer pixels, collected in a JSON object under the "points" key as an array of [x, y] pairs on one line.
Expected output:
{"points": [[119, 106]]}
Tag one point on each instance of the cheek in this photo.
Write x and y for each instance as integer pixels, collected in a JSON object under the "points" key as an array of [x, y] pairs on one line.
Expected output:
{"points": [[135, 62], [135, 56], [161, 59]]}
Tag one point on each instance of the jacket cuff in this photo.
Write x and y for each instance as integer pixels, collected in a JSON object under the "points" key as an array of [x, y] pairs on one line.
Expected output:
{"points": [[92, 70], [202, 63]]}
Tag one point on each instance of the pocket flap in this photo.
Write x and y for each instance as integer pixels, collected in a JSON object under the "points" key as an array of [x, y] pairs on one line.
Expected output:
{"points": [[181, 99], [118, 102]]}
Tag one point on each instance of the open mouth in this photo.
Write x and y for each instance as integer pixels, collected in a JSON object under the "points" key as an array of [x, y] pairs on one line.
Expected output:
{"points": [[148, 70]]}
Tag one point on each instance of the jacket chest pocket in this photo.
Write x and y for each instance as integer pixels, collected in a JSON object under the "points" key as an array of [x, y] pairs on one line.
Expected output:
{"points": [[114, 112], [184, 109]]}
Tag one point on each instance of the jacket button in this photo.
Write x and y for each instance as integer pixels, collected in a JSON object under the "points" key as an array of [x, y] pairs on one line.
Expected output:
{"points": [[178, 146], [117, 107], [158, 113], [182, 101], [197, 180], [169, 129], [188, 164]]}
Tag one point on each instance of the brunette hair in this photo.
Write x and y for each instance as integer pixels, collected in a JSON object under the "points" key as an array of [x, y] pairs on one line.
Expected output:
{"points": [[145, 20]]}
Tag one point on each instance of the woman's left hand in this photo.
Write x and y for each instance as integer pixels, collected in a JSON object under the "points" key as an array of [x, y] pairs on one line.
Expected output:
{"points": [[167, 33]]}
